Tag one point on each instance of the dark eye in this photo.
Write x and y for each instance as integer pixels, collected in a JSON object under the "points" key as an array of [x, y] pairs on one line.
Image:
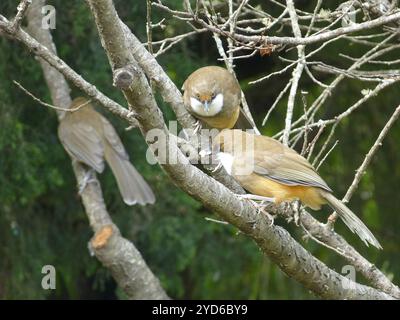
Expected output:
{"points": [[213, 95], [198, 96]]}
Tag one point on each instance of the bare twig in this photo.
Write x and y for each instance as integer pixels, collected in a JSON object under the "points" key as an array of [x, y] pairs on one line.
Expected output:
{"points": [[327, 154], [368, 158], [296, 73], [49, 105], [22, 9]]}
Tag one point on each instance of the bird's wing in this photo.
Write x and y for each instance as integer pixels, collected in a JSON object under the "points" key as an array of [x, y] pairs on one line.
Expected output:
{"points": [[243, 122], [286, 166], [82, 142], [113, 139]]}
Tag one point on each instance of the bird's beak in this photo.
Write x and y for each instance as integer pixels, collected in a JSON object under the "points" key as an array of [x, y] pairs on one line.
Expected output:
{"points": [[206, 106]]}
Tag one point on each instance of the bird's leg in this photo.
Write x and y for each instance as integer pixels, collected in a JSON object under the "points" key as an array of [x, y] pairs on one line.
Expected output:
{"points": [[189, 134], [256, 197], [260, 207], [331, 221], [197, 127], [87, 178]]}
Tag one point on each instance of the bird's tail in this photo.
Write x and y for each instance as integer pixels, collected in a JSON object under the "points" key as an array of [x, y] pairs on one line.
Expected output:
{"points": [[133, 188], [351, 220]]}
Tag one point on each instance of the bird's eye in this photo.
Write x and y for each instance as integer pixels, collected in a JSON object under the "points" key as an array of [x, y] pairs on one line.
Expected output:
{"points": [[213, 95], [198, 96]]}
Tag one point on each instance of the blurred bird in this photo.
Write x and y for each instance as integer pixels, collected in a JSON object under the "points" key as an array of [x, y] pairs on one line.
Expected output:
{"points": [[213, 95], [90, 138], [271, 171]]}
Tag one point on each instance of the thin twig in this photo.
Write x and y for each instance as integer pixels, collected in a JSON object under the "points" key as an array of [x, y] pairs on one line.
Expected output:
{"points": [[367, 160], [22, 9], [49, 105], [149, 30], [216, 221], [296, 74], [327, 154]]}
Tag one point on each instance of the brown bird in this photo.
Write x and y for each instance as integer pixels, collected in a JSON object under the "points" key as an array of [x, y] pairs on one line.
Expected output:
{"points": [[267, 168], [90, 138], [213, 96]]}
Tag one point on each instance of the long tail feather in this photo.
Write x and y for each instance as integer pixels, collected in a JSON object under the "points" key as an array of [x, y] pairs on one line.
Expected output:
{"points": [[351, 220], [134, 189]]}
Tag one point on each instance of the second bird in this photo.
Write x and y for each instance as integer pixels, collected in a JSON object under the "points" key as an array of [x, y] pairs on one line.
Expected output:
{"points": [[213, 96], [90, 138]]}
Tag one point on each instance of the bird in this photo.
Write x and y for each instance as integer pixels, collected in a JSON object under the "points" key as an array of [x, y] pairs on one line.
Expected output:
{"points": [[213, 95], [90, 138], [272, 171]]}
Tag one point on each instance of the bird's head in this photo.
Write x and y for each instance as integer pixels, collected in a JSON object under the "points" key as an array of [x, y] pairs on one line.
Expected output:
{"points": [[209, 89]]}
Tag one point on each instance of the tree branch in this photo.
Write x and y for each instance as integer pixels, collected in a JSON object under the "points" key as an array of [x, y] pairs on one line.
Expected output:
{"points": [[290, 41]]}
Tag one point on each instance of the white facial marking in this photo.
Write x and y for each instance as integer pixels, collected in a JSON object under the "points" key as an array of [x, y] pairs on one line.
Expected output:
{"points": [[226, 160], [214, 107], [195, 104]]}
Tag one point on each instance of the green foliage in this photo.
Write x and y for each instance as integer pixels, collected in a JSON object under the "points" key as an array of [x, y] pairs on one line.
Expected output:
{"points": [[41, 218]]}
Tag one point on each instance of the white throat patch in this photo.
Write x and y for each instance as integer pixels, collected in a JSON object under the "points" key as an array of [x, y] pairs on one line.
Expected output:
{"points": [[226, 160], [214, 107]]}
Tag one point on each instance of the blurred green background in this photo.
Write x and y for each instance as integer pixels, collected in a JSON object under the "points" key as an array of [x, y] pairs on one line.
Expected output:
{"points": [[41, 217]]}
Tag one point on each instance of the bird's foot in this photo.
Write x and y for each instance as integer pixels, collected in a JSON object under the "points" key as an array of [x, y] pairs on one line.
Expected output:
{"points": [[297, 212], [219, 165], [131, 112], [197, 127], [259, 203], [261, 207], [292, 212], [88, 178], [296, 217]]}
